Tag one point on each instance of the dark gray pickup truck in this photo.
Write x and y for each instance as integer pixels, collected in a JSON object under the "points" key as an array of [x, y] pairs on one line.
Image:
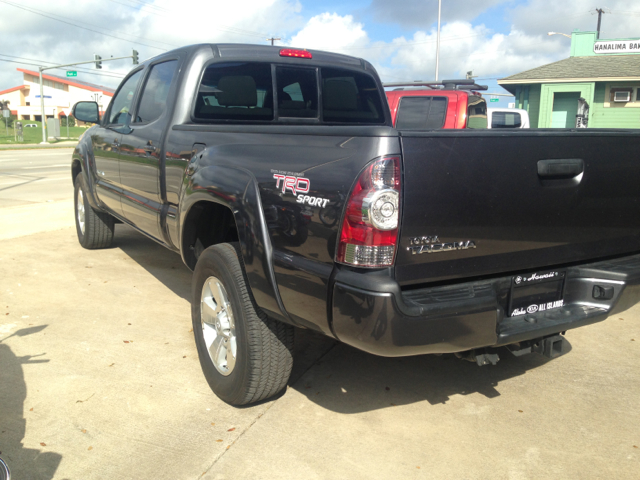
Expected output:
{"points": [[278, 177]]}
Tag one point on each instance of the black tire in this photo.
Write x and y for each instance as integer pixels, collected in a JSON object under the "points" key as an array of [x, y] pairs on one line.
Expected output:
{"points": [[264, 355], [98, 226]]}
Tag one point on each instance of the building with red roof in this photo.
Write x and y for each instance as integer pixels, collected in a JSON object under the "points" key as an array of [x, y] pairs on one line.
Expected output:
{"points": [[60, 95]]}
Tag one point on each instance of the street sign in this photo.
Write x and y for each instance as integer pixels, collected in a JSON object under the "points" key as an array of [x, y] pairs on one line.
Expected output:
{"points": [[494, 99], [72, 73], [6, 113]]}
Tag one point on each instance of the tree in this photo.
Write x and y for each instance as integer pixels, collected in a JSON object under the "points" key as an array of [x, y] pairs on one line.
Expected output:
{"points": [[4, 105]]}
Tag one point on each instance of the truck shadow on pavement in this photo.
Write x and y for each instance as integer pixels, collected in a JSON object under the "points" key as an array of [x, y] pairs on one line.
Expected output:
{"points": [[347, 380], [163, 264], [341, 378], [24, 463]]}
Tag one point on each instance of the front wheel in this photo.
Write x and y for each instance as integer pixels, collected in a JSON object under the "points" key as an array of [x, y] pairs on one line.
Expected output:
{"points": [[245, 356], [95, 229]]}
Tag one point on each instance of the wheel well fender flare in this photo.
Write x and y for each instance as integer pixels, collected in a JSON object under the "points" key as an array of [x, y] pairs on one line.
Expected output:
{"points": [[81, 161], [237, 189]]}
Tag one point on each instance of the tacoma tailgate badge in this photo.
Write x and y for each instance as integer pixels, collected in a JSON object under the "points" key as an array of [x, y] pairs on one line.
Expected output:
{"points": [[432, 244]]}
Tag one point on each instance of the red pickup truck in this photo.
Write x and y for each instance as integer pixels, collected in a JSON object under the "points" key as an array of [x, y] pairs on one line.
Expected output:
{"points": [[437, 105]]}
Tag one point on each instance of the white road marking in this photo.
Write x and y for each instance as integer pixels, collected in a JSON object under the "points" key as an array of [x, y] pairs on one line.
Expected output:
{"points": [[38, 154], [20, 181]]}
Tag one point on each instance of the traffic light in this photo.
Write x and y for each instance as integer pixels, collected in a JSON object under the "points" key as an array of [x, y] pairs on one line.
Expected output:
{"points": [[98, 61], [135, 57]]}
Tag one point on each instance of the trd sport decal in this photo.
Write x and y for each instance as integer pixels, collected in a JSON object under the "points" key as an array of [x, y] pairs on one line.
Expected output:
{"points": [[298, 185], [295, 184]]}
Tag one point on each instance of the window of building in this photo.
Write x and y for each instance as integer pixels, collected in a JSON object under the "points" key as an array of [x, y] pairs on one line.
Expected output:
{"points": [[421, 113], [156, 90], [235, 91], [621, 95], [350, 97], [121, 103]]}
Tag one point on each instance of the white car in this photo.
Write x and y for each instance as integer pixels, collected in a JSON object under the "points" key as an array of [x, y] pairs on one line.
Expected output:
{"points": [[507, 118], [30, 125]]}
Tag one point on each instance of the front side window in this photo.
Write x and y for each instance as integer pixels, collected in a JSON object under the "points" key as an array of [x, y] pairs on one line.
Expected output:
{"points": [[156, 90], [297, 92], [121, 103], [421, 113], [350, 97], [505, 120], [235, 91]]}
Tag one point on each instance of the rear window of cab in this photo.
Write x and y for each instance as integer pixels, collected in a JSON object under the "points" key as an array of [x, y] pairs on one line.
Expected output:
{"points": [[256, 92]]}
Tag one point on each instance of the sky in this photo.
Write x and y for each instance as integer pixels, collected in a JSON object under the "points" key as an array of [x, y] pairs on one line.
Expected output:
{"points": [[492, 38]]}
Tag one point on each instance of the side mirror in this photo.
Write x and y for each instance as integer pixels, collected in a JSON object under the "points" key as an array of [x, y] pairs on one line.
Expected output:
{"points": [[87, 112]]}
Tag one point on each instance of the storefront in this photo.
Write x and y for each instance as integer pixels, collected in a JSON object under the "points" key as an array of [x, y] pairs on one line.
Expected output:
{"points": [[599, 83]]}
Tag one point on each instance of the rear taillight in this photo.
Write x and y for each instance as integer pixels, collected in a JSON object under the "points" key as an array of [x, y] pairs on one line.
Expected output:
{"points": [[369, 233]]}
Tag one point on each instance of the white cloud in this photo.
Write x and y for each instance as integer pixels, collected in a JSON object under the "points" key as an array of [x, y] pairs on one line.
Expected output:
{"points": [[163, 24], [151, 29], [331, 32]]}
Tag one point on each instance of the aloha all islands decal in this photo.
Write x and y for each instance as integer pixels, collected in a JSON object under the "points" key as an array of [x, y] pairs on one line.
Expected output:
{"points": [[538, 308], [298, 184]]}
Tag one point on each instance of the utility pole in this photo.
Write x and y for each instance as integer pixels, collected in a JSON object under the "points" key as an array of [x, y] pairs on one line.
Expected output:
{"points": [[97, 60], [600, 12], [272, 39], [438, 40]]}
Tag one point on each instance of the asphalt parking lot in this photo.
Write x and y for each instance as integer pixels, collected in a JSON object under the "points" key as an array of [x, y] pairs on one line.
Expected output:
{"points": [[99, 378]]}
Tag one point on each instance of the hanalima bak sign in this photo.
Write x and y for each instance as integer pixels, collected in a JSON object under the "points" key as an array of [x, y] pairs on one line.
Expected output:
{"points": [[617, 46]]}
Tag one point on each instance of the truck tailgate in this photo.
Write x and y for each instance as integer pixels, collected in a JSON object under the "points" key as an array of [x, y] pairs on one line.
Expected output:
{"points": [[482, 203]]}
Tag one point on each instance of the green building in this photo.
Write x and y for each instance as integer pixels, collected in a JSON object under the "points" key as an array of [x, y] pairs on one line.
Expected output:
{"points": [[604, 73]]}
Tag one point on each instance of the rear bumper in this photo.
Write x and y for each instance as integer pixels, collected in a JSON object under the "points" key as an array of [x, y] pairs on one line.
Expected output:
{"points": [[371, 313]]}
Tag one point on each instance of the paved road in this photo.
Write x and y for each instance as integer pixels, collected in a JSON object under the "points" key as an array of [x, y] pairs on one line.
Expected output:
{"points": [[35, 176], [99, 378]]}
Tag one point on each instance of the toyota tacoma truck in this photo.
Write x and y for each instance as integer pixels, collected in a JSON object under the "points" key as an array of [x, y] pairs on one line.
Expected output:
{"points": [[278, 176]]}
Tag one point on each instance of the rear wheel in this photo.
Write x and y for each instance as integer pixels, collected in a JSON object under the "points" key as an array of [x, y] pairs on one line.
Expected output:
{"points": [[95, 229], [245, 356]]}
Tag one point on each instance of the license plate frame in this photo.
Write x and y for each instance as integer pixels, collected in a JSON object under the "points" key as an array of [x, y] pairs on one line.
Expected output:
{"points": [[536, 292]]}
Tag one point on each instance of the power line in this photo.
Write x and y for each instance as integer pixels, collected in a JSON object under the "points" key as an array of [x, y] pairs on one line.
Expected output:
{"points": [[36, 12]]}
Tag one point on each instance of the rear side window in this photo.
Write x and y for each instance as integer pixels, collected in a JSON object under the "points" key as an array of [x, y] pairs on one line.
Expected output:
{"points": [[156, 90], [350, 97], [235, 91], [297, 92], [477, 112], [505, 120], [421, 113]]}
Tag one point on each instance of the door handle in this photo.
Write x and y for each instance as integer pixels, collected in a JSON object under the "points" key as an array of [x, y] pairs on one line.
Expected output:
{"points": [[560, 168]]}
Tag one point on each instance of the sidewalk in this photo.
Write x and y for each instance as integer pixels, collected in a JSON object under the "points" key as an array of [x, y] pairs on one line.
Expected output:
{"points": [[28, 146]]}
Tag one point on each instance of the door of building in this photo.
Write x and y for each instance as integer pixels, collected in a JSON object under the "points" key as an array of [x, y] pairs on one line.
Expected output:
{"points": [[565, 108]]}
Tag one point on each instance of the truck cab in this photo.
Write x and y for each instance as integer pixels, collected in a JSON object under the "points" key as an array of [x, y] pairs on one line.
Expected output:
{"points": [[450, 104], [507, 118]]}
